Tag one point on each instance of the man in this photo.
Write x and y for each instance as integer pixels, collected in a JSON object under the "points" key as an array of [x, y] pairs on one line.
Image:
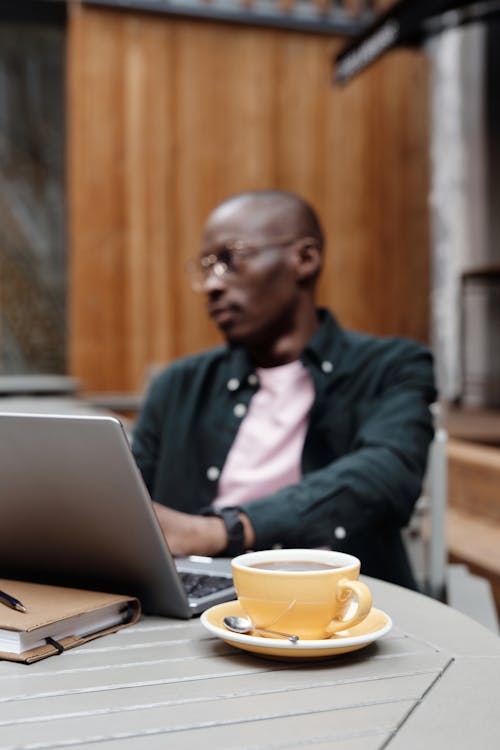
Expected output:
{"points": [[297, 433]]}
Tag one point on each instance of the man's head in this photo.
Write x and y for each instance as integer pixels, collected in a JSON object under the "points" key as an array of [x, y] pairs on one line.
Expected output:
{"points": [[260, 260]]}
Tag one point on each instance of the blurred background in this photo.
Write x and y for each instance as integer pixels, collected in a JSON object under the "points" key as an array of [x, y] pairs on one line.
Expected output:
{"points": [[123, 123]]}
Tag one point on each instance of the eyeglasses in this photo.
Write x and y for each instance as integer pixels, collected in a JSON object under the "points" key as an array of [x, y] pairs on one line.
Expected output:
{"points": [[229, 259]]}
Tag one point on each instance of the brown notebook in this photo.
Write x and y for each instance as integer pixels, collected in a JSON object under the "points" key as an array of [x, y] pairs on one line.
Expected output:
{"points": [[58, 618]]}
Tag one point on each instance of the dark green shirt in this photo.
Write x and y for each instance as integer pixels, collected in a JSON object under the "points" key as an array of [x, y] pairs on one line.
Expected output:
{"points": [[364, 455]]}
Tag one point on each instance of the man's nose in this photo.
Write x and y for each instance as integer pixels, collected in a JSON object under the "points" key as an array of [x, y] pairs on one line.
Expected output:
{"points": [[213, 281]]}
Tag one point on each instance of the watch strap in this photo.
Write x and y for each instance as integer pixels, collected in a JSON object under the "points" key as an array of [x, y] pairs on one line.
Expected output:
{"points": [[234, 528]]}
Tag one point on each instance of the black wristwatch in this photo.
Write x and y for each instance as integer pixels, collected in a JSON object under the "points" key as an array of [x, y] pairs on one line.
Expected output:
{"points": [[234, 528]]}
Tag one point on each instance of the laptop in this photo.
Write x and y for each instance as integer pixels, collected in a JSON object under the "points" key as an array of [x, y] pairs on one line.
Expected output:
{"points": [[74, 511]]}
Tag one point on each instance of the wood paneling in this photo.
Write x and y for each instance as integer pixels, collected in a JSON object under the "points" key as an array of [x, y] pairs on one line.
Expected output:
{"points": [[166, 117], [474, 479]]}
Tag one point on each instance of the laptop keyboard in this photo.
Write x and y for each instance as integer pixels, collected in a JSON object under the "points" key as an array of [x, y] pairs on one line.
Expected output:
{"points": [[198, 585]]}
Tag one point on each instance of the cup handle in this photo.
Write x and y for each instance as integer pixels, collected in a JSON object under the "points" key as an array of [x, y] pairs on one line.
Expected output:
{"points": [[363, 596]]}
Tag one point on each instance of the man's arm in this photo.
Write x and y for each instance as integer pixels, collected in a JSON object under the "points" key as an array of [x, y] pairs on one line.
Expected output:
{"points": [[187, 534], [377, 483]]}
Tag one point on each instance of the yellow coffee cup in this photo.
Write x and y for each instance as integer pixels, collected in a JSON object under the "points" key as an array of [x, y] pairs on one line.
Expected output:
{"points": [[311, 593]]}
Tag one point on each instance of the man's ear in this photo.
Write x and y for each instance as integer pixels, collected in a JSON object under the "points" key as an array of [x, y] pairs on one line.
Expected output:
{"points": [[308, 259]]}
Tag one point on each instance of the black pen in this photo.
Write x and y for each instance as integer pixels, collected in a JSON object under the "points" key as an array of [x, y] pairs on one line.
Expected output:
{"points": [[9, 601]]}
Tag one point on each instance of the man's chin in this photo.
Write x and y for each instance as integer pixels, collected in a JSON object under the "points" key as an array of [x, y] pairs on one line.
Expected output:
{"points": [[239, 332], [234, 335]]}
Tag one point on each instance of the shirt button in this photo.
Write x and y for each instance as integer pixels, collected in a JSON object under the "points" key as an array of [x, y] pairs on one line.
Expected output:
{"points": [[327, 366], [240, 410], [253, 379], [213, 473], [340, 532], [233, 384]]}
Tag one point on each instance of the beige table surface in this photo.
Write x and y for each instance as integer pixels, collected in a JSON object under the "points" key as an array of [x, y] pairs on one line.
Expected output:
{"points": [[433, 682]]}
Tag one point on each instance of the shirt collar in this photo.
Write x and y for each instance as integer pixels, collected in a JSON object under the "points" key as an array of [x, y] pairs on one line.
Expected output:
{"points": [[324, 351], [326, 348]]}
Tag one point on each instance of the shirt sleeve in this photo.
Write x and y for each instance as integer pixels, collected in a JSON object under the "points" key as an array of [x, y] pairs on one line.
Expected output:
{"points": [[146, 439], [377, 482]]}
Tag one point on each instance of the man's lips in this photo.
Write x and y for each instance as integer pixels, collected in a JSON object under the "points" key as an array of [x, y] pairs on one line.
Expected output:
{"points": [[221, 314]]}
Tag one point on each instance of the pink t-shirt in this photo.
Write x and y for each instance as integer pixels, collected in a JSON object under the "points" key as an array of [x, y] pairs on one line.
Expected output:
{"points": [[266, 453]]}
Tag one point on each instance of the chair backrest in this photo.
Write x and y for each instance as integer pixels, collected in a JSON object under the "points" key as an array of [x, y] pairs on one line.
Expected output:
{"points": [[437, 490], [425, 536]]}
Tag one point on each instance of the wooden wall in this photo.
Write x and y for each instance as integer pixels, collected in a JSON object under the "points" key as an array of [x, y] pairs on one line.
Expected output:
{"points": [[167, 117]]}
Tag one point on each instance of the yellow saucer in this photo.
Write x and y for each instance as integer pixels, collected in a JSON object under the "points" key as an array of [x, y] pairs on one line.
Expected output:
{"points": [[375, 626]]}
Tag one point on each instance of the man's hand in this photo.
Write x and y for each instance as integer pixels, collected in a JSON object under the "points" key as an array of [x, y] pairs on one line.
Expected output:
{"points": [[197, 535]]}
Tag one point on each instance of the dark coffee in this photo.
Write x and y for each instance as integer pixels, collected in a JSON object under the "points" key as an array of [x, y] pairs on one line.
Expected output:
{"points": [[295, 565]]}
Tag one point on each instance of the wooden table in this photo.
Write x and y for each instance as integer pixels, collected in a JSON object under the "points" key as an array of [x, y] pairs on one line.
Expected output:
{"points": [[433, 682]]}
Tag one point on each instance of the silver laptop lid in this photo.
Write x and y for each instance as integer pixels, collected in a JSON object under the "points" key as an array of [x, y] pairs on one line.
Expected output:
{"points": [[74, 511]]}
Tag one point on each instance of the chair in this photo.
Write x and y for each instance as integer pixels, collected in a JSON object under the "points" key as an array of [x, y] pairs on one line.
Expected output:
{"points": [[425, 538], [425, 535]]}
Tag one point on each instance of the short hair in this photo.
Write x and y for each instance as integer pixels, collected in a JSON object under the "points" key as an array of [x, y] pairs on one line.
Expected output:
{"points": [[306, 219]]}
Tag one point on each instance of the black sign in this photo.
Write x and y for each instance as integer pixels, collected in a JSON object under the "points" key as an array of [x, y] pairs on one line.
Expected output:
{"points": [[408, 22]]}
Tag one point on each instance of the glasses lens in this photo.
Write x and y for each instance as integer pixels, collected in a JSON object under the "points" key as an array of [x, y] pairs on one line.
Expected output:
{"points": [[199, 270]]}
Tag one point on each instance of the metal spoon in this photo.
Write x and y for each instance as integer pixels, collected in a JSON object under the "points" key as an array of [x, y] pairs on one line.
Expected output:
{"points": [[245, 625]]}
